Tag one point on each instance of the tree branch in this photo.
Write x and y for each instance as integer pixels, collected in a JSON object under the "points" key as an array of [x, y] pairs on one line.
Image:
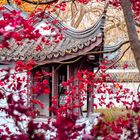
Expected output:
{"points": [[40, 3], [137, 23], [36, 2]]}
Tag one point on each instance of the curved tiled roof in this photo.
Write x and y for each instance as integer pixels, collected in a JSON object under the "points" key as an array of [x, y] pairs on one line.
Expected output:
{"points": [[73, 44], [114, 56]]}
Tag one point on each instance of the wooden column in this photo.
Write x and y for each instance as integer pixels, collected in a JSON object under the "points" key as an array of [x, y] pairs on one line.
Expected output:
{"points": [[54, 81], [55, 88], [68, 75], [90, 98], [73, 71]]}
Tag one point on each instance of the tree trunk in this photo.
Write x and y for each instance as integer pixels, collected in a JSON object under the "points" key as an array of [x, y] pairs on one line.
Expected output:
{"points": [[132, 33]]}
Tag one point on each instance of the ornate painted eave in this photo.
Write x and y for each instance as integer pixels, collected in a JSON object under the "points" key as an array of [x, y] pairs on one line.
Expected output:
{"points": [[75, 43]]}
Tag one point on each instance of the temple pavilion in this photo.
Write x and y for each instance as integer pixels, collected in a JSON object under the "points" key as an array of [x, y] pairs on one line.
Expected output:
{"points": [[72, 53]]}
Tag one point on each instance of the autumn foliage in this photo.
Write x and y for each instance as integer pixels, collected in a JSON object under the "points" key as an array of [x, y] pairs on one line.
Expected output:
{"points": [[21, 97]]}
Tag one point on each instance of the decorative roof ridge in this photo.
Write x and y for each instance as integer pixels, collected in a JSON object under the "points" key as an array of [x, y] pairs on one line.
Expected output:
{"points": [[99, 25], [113, 52], [114, 46], [71, 32]]}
